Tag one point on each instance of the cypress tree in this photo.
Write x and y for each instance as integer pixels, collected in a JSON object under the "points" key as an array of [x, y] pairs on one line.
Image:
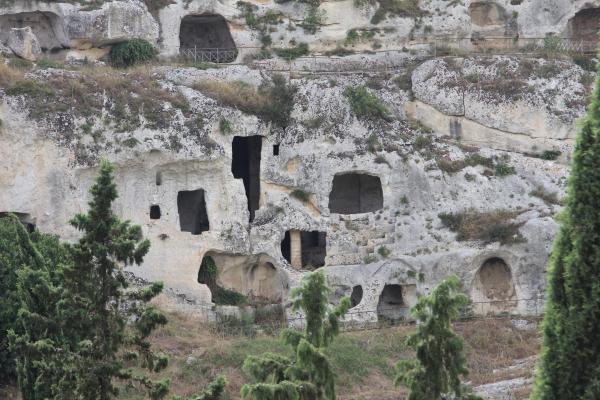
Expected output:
{"points": [[308, 374], [16, 251], [440, 361], [570, 363], [97, 305]]}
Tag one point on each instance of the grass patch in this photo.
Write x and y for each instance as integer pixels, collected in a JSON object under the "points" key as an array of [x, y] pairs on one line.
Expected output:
{"points": [[292, 53], [503, 169], [488, 227], [225, 126], [273, 100], [549, 198], [366, 105], [131, 52], [399, 8], [20, 63]]}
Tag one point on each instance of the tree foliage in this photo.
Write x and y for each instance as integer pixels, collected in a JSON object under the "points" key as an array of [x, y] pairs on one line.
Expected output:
{"points": [[570, 362], [131, 52], [440, 361], [308, 374], [81, 328]]}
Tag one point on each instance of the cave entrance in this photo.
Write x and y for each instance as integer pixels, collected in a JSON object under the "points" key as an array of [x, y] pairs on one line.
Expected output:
{"points": [[355, 193], [356, 296], [304, 249], [235, 278], [46, 26], [191, 206], [493, 288], [207, 38], [487, 14], [395, 301], [245, 165], [26, 220], [583, 27]]}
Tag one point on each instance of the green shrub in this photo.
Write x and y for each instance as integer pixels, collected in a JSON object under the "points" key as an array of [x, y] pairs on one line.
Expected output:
{"points": [[292, 53], [585, 62], [550, 155], [300, 195], [225, 126], [131, 52], [421, 142], [503, 169], [551, 45], [312, 21], [280, 100], [365, 105], [384, 252]]}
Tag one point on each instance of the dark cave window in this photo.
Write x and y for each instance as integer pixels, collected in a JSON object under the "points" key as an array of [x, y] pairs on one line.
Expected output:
{"points": [[192, 211], [155, 212], [355, 193], [245, 165]]}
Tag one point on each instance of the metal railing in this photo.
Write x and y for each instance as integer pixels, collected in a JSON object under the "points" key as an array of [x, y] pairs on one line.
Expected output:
{"points": [[383, 317], [211, 55]]}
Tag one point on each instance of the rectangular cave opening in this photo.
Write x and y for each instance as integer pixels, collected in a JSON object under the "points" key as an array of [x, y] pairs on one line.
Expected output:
{"points": [[245, 165], [355, 193], [154, 211], [191, 206], [304, 249]]}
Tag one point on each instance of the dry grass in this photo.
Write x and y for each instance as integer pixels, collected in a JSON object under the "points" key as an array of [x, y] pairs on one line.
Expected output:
{"points": [[495, 345], [488, 226], [236, 94], [9, 75], [363, 361]]}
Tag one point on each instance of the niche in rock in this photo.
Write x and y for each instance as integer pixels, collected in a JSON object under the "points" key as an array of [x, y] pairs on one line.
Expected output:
{"points": [[46, 26], [208, 36], [356, 296], [154, 211], [25, 219], [493, 288], [355, 193], [584, 27], [245, 165], [304, 249], [484, 14], [252, 276], [192, 211], [395, 301]]}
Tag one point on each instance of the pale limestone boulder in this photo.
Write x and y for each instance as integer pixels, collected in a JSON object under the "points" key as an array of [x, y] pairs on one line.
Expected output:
{"points": [[24, 43]]}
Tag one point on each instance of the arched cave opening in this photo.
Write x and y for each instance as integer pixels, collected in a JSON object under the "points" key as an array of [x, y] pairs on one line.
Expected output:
{"points": [[245, 165], [304, 249], [486, 13], [237, 279], [356, 296], [46, 26], [208, 35], [394, 302], [191, 206], [584, 27], [493, 288], [355, 193], [26, 219]]}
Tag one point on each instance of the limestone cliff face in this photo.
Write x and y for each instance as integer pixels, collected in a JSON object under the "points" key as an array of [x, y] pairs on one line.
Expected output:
{"points": [[461, 174], [361, 196]]}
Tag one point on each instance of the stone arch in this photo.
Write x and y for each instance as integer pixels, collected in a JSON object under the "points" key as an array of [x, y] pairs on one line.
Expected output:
{"points": [[48, 27], [395, 301], [493, 289], [205, 34], [254, 276], [487, 13], [355, 193]]}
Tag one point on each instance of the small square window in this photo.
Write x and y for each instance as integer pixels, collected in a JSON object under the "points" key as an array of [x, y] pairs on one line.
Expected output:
{"points": [[154, 212]]}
